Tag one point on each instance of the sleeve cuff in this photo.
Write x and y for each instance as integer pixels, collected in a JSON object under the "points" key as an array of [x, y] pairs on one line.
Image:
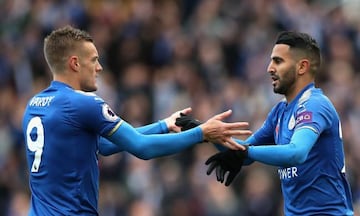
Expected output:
{"points": [[163, 126]]}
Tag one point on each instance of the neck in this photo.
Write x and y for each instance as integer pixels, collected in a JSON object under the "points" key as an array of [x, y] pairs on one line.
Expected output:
{"points": [[71, 81], [296, 90]]}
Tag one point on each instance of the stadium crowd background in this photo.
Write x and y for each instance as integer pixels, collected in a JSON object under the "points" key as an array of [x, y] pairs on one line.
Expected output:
{"points": [[160, 56]]}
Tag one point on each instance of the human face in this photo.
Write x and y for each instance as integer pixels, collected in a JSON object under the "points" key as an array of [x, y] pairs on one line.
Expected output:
{"points": [[282, 69], [89, 67]]}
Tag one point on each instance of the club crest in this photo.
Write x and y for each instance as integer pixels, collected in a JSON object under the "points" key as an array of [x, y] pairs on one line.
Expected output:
{"points": [[291, 124]]}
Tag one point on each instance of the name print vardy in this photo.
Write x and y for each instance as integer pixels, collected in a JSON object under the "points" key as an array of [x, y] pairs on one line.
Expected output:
{"points": [[41, 101]]}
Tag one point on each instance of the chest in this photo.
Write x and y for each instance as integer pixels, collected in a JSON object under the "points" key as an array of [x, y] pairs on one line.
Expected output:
{"points": [[285, 125]]}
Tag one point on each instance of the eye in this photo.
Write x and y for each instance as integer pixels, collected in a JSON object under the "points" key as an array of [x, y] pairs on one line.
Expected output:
{"points": [[277, 60]]}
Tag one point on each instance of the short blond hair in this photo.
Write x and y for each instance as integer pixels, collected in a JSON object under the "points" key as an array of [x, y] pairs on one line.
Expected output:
{"points": [[60, 43]]}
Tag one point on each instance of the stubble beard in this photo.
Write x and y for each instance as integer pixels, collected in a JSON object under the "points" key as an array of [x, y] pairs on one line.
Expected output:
{"points": [[286, 82]]}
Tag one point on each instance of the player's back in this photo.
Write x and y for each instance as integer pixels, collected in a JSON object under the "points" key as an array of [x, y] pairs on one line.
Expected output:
{"points": [[61, 153]]}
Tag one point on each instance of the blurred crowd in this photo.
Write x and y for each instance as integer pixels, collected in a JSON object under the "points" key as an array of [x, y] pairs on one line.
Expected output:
{"points": [[160, 56]]}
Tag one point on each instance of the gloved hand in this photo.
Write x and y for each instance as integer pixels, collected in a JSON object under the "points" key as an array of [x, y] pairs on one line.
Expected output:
{"points": [[227, 161], [187, 122]]}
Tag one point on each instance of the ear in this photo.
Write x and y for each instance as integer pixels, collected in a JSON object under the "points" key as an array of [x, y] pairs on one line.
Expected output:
{"points": [[303, 66], [74, 63]]}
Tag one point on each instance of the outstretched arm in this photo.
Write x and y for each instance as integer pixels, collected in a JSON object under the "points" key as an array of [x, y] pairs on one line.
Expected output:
{"points": [[158, 127], [106, 147], [230, 161], [186, 122], [290, 154], [156, 145]]}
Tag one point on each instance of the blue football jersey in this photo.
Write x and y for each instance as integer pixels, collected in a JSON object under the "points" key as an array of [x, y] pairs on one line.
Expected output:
{"points": [[62, 128], [318, 186]]}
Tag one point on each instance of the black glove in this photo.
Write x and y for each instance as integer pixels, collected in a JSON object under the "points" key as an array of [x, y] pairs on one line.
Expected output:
{"points": [[186, 122], [227, 161]]}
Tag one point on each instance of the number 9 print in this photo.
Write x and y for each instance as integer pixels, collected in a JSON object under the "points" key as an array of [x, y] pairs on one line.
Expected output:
{"points": [[35, 141]]}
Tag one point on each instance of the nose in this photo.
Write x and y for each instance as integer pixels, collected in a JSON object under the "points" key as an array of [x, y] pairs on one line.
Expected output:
{"points": [[99, 68], [270, 68]]}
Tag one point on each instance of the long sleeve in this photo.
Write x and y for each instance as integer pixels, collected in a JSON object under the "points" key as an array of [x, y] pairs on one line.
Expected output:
{"points": [[154, 145], [288, 154]]}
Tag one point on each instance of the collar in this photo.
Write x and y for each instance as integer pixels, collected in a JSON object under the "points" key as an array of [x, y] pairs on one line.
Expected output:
{"points": [[307, 87], [58, 84]]}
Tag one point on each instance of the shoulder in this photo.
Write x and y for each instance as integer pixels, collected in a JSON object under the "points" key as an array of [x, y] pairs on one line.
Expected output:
{"points": [[314, 98], [315, 108], [314, 102], [91, 103], [83, 99], [86, 96]]}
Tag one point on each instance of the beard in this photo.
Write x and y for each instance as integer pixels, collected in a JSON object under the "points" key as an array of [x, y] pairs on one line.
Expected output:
{"points": [[286, 82]]}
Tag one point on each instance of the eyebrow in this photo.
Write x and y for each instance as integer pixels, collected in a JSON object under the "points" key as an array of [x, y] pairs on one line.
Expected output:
{"points": [[277, 58], [95, 58]]}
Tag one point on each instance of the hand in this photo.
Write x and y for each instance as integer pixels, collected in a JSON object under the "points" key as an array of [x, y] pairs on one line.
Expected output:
{"points": [[216, 131], [171, 120], [228, 161], [187, 122]]}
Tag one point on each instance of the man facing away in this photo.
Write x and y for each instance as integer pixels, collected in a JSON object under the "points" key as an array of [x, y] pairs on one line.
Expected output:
{"points": [[66, 126]]}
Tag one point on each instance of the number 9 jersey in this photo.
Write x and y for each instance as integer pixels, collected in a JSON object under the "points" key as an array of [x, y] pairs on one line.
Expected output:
{"points": [[62, 128]]}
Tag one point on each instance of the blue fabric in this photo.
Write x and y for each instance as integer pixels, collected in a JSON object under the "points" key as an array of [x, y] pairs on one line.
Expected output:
{"points": [[306, 143], [62, 128], [106, 147], [291, 154], [154, 145], [154, 128], [63, 131]]}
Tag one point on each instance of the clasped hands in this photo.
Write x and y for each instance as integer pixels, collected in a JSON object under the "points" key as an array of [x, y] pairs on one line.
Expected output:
{"points": [[227, 164]]}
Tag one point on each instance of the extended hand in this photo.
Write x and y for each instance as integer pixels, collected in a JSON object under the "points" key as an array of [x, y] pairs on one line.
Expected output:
{"points": [[229, 161], [171, 121], [217, 131]]}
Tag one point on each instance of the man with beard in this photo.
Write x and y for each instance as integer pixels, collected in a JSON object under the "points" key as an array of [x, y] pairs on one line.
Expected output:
{"points": [[301, 135]]}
